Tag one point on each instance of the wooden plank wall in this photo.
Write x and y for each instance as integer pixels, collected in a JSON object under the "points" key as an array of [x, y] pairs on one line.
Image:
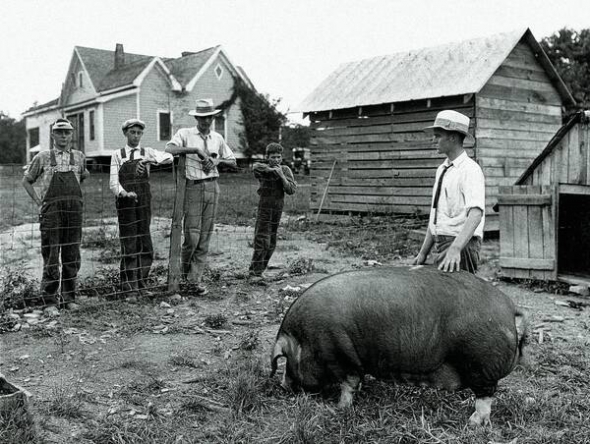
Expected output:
{"points": [[527, 232], [385, 162], [518, 111], [568, 163]]}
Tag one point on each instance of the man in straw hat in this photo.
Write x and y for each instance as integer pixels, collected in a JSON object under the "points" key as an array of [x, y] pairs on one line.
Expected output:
{"points": [[205, 150], [59, 172], [457, 215]]}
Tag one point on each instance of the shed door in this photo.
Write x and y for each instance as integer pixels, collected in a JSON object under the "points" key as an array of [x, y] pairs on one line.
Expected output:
{"points": [[527, 231]]}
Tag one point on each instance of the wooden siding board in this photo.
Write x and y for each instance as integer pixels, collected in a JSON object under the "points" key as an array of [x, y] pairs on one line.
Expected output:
{"points": [[521, 73], [535, 223], [574, 158], [521, 94], [518, 125], [508, 104], [549, 215], [521, 232], [424, 116], [506, 229]]}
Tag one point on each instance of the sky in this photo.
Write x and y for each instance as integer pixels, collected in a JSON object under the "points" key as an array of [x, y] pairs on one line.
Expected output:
{"points": [[286, 47]]}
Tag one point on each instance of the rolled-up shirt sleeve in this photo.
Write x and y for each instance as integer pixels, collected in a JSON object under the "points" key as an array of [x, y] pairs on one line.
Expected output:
{"points": [[177, 139], [474, 189], [225, 151], [35, 169], [158, 157], [114, 184]]}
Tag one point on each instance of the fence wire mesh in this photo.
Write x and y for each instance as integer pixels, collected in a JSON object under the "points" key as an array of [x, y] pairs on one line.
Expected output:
{"points": [[230, 249]]}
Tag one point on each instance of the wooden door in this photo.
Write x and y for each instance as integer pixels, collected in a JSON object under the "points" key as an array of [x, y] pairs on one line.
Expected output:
{"points": [[528, 231]]}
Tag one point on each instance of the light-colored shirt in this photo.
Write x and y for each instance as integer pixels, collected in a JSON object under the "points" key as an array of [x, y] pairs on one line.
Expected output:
{"points": [[463, 188], [41, 172], [150, 154], [191, 137]]}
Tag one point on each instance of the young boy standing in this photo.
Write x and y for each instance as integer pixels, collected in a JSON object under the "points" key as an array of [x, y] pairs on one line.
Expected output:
{"points": [[275, 180], [129, 182]]}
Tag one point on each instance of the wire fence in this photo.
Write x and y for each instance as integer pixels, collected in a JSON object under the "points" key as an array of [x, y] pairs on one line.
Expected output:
{"points": [[20, 235]]}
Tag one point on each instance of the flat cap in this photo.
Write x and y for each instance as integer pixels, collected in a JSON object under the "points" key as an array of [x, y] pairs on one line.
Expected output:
{"points": [[132, 122]]}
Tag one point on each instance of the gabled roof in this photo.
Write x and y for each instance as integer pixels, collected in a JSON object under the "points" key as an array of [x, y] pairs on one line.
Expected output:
{"points": [[441, 71], [578, 117], [99, 64], [185, 68], [51, 104]]}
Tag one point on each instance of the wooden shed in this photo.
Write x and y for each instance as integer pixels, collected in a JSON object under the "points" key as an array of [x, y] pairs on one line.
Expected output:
{"points": [[368, 117], [545, 216]]}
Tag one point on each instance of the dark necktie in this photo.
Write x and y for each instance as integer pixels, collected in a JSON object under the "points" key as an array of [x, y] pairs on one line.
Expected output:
{"points": [[438, 190], [132, 156]]}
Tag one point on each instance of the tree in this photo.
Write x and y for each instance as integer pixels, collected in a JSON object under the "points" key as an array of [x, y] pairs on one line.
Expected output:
{"points": [[12, 140], [569, 51], [295, 135], [261, 120]]}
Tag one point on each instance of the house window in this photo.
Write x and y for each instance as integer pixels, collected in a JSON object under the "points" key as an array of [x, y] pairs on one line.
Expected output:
{"points": [[33, 137], [81, 79], [218, 71], [219, 124], [78, 124], [91, 124], [164, 125]]}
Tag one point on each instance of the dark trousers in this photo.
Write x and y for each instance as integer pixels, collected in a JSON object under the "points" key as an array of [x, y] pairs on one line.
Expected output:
{"points": [[469, 254], [265, 233], [137, 251], [61, 234]]}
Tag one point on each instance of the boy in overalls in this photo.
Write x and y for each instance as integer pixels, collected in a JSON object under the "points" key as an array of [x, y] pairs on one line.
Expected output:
{"points": [[275, 180], [60, 170], [129, 182]]}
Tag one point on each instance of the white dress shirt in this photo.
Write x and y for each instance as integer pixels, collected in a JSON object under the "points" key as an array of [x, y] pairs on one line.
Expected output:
{"points": [[191, 137], [462, 188], [150, 154]]}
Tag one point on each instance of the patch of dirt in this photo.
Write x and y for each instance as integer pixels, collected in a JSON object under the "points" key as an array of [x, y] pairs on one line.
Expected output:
{"points": [[144, 360]]}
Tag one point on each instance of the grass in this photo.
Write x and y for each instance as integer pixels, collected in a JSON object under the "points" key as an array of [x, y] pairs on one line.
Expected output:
{"points": [[237, 202], [233, 400]]}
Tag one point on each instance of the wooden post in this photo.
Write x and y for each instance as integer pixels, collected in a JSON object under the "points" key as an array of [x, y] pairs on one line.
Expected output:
{"points": [[325, 192], [174, 264]]}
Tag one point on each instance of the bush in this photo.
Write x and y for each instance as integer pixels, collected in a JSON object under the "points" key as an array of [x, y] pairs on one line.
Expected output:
{"points": [[16, 289]]}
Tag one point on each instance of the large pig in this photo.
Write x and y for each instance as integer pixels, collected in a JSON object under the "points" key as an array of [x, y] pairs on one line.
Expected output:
{"points": [[416, 325]]}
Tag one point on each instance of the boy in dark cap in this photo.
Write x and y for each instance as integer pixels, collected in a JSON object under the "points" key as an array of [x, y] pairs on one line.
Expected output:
{"points": [[59, 172], [129, 182], [275, 180]]}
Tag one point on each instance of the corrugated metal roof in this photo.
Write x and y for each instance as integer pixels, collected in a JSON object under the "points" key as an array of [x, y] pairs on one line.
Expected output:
{"points": [[440, 71]]}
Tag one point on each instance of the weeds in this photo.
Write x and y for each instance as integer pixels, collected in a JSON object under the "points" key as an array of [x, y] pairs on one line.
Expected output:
{"points": [[215, 321], [16, 289], [65, 401], [244, 378], [250, 340], [300, 266], [17, 426], [184, 358]]}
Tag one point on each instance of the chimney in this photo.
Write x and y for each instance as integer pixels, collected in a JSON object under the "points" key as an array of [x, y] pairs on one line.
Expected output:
{"points": [[187, 53], [119, 56]]}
